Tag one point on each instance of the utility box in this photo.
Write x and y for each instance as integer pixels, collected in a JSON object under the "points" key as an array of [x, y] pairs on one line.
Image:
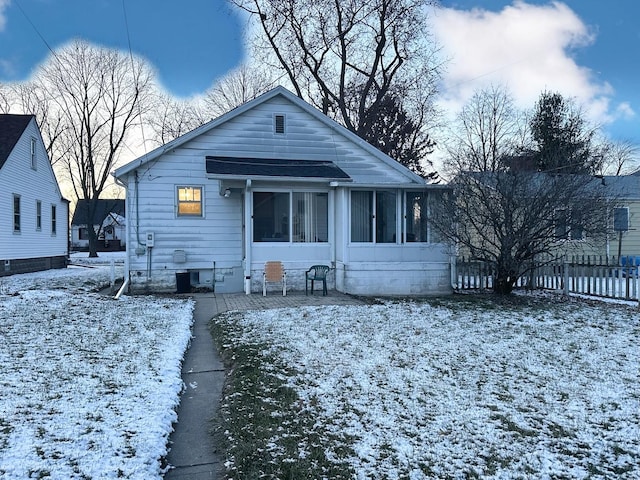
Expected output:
{"points": [[151, 239]]}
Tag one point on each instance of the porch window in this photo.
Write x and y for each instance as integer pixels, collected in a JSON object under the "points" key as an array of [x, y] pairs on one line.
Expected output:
{"points": [[308, 212], [271, 216], [361, 216], [416, 217], [310, 219], [371, 209], [189, 201], [386, 216]]}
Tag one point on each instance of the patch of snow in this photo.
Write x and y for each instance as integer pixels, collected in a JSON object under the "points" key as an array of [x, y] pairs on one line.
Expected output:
{"points": [[89, 384], [457, 391]]}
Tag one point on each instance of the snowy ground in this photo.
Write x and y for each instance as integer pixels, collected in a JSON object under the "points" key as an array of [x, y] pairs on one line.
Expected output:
{"points": [[89, 384], [464, 390]]}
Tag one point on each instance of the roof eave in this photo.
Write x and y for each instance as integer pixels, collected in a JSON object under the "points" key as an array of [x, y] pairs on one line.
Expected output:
{"points": [[213, 176]]}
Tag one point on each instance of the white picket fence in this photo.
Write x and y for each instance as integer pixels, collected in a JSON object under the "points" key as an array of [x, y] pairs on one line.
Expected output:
{"points": [[608, 277]]}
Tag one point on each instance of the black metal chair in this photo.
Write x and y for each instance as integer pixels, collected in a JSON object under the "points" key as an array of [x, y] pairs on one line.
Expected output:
{"points": [[316, 272]]}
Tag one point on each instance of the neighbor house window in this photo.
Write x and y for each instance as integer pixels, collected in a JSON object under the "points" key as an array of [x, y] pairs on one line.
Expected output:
{"points": [[189, 201], [38, 215], [53, 219], [621, 219], [568, 224], [16, 213], [34, 160], [373, 212], [272, 212]]}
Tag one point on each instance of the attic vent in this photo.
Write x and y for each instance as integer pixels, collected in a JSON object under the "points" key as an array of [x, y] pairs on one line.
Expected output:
{"points": [[279, 124]]}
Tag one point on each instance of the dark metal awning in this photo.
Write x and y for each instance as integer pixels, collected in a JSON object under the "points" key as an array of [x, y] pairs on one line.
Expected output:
{"points": [[233, 167]]}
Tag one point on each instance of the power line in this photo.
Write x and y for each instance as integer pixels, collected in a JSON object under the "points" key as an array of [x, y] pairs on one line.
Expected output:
{"points": [[126, 24], [36, 29]]}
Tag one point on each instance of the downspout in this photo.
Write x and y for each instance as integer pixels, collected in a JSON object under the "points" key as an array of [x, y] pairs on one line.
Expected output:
{"points": [[126, 274]]}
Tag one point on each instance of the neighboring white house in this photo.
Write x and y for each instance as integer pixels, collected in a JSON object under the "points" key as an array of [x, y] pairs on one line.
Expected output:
{"points": [[109, 224], [34, 217], [275, 179]]}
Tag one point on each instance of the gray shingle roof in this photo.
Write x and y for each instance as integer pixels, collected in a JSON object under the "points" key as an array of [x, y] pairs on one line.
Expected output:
{"points": [[103, 208], [273, 167], [11, 129]]}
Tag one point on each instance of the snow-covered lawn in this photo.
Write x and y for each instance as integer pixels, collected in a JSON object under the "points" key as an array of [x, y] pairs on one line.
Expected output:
{"points": [[88, 384], [459, 389]]}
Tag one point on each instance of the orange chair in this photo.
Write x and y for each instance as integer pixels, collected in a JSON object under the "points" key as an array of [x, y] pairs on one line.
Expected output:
{"points": [[274, 273]]}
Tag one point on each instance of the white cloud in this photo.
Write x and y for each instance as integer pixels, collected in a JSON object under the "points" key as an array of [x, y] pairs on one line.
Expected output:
{"points": [[625, 111], [3, 18], [524, 47]]}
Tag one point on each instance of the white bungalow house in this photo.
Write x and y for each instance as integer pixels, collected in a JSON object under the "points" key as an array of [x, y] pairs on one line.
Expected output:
{"points": [[109, 223], [34, 216], [275, 179]]}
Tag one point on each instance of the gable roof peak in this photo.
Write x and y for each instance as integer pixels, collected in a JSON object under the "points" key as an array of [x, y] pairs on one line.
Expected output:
{"points": [[12, 126]]}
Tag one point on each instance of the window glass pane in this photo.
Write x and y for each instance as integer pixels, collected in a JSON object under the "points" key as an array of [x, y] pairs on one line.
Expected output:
{"points": [[53, 219], [16, 213], [577, 225], [38, 215], [361, 214], [270, 217], [416, 217], [385, 217], [560, 224], [190, 201], [310, 217]]}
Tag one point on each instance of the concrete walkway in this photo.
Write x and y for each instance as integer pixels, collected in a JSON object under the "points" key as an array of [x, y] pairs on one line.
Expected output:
{"points": [[193, 454]]}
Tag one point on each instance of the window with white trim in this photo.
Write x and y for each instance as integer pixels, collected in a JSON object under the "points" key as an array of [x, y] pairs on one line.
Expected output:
{"points": [[374, 216], [54, 220], [189, 201], [569, 224], [308, 212], [16, 213], [38, 215], [34, 158]]}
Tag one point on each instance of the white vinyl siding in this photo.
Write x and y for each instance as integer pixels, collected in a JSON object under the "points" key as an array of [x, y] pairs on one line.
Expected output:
{"points": [[17, 177]]}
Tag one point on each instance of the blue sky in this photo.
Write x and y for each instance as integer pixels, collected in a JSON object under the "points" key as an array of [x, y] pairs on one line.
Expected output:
{"points": [[190, 44], [582, 48]]}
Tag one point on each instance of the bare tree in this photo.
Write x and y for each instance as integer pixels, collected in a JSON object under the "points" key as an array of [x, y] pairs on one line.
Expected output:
{"points": [[486, 133], [97, 96], [237, 87], [5, 102], [619, 157], [504, 213], [511, 219], [28, 98], [171, 118], [327, 49]]}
